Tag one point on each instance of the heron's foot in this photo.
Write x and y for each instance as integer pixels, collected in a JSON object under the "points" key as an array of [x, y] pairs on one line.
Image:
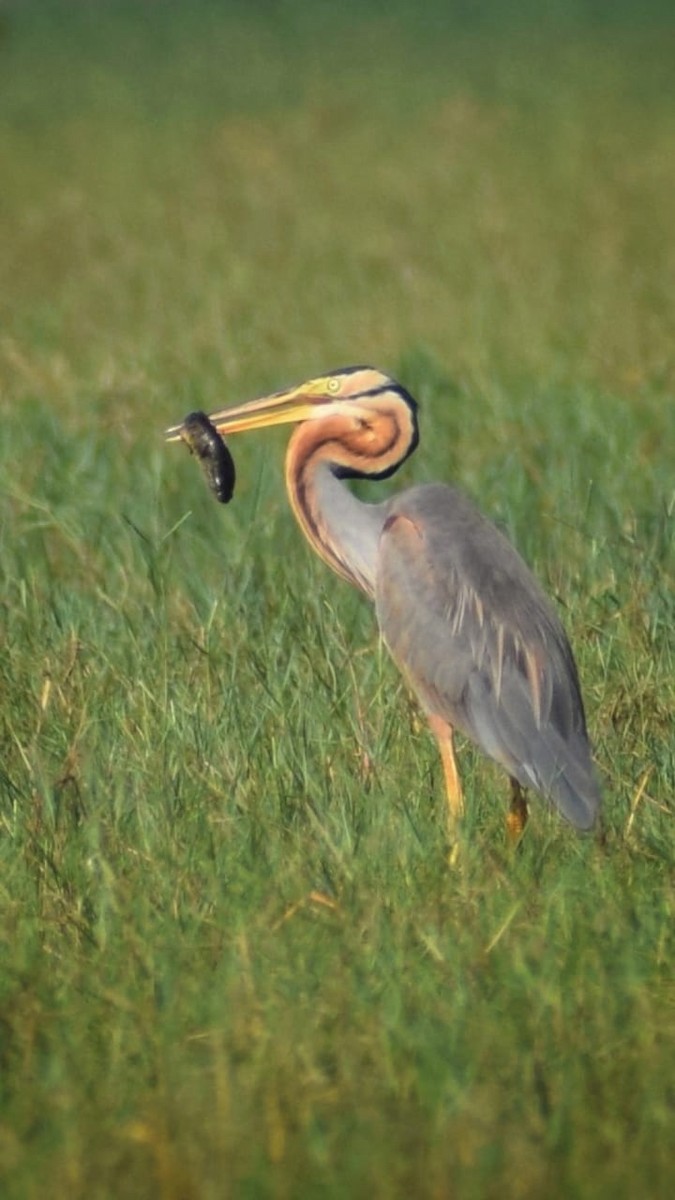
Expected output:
{"points": [[514, 828], [454, 843], [516, 817], [454, 853]]}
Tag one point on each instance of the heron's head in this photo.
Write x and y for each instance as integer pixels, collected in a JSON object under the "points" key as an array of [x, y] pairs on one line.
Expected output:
{"points": [[361, 394]]}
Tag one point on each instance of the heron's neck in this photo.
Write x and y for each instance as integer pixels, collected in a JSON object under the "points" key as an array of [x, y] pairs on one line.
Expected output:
{"points": [[343, 530]]}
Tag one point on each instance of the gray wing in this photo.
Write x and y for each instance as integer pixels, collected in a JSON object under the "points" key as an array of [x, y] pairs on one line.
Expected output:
{"points": [[467, 623]]}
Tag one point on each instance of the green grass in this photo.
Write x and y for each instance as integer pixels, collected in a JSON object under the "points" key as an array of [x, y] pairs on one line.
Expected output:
{"points": [[233, 959]]}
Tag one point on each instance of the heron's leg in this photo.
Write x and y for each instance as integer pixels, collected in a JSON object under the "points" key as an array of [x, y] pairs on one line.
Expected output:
{"points": [[516, 817], [443, 732]]}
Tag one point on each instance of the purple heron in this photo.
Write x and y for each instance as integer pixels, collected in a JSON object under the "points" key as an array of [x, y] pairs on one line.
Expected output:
{"points": [[460, 612]]}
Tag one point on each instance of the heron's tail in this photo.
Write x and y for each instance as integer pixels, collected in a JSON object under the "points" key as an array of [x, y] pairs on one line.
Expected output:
{"points": [[563, 771]]}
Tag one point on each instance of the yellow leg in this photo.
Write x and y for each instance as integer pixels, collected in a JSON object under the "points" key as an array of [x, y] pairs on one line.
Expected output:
{"points": [[443, 732], [516, 817]]}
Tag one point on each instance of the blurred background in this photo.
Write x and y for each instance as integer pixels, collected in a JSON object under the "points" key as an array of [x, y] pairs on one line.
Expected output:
{"points": [[250, 193]]}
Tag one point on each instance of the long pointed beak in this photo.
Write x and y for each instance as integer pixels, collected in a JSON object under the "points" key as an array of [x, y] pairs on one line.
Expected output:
{"points": [[281, 408]]}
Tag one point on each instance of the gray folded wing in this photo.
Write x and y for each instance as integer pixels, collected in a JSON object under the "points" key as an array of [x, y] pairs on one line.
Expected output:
{"points": [[481, 645]]}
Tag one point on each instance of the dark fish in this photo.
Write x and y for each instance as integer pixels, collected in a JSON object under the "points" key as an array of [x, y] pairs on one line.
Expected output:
{"points": [[217, 463]]}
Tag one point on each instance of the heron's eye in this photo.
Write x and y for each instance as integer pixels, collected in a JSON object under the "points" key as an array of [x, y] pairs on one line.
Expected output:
{"points": [[333, 386]]}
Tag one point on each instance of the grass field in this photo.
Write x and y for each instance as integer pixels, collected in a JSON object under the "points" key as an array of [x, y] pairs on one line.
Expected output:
{"points": [[234, 961]]}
